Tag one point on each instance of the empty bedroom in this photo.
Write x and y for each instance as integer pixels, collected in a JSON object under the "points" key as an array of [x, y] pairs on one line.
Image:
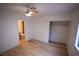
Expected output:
{"points": [[39, 29]]}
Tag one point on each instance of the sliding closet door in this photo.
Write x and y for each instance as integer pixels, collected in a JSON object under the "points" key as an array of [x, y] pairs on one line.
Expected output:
{"points": [[59, 31]]}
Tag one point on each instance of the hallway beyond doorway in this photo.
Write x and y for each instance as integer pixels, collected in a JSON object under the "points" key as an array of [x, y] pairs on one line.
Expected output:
{"points": [[21, 29]]}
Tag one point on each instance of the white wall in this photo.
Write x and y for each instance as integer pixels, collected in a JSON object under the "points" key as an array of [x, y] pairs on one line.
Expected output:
{"points": [[9, 30], [40, 26], [73, 32], [59, 31], [40, 30]]}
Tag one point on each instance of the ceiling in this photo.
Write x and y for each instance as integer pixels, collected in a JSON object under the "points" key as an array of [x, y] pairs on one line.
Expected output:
{"points": [[43, 8]]}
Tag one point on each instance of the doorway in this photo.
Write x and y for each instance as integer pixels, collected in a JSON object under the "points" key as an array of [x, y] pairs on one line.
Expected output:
{"points": [[21, 29]]}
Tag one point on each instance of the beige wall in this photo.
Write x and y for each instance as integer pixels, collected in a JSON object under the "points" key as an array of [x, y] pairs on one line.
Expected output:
{"points": [[20, 26]]}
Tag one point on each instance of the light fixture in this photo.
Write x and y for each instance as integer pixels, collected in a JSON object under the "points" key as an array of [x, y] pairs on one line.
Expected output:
{"points": [[27, 14], [31, 11]]}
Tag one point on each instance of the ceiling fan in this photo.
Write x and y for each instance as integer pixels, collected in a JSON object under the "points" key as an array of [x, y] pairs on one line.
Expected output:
{"points": [[28, 9], [31, 11]]}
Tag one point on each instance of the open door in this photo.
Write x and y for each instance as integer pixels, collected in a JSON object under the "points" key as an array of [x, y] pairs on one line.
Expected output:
{"points": [[21, 28]]}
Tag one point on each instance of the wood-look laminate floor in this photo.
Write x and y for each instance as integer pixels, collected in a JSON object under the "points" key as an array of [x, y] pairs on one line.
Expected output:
{"points": [[37, 48]]}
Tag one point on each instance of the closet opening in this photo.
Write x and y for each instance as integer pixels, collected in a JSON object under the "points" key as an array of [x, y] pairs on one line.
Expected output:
{"points": [[59, 32]]}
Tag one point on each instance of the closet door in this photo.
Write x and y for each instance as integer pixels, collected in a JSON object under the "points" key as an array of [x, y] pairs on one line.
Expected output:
{"points": [[59, 32]]}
